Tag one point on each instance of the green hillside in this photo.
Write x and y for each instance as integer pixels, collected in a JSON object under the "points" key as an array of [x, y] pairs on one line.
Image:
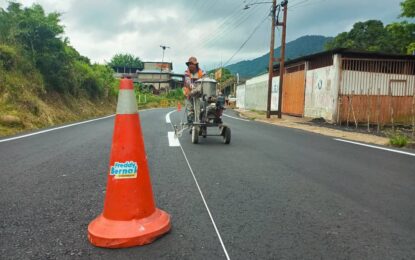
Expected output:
{"points": [[44, 81], [300, 47]]}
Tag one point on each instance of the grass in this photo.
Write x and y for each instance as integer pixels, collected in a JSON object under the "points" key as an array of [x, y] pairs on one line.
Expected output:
{"points": [[398, 139], [262, 113], [54, 109], [149, 100], [33, 110]]}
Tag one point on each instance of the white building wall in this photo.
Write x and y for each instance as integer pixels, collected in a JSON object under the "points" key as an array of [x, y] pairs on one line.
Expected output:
{"points": [[321, 92], [240, 96], [256, 93]]}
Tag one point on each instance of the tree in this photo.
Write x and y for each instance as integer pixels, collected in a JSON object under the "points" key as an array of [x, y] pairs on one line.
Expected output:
{"points": [[373, 36], [340, 41], [370, 35], [400, 37], [125, 60], [408, 8], [31, 42]]}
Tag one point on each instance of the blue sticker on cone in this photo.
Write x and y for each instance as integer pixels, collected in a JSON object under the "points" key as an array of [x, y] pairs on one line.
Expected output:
{"points": [[124, 170]]}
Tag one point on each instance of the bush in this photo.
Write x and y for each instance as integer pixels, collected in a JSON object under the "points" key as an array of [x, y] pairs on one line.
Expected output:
{"points": [[7, 57], [175, 94], [398, 140]]}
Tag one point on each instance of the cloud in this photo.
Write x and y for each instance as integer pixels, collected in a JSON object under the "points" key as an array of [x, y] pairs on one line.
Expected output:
{"points": [[211, 30]]}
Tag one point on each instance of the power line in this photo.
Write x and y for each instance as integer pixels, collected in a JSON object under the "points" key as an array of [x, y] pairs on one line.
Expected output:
{"points": [[224, 26], [220, 28], [298, 4], [244, 43], [195, 13], [303, 3], [226, 30]]}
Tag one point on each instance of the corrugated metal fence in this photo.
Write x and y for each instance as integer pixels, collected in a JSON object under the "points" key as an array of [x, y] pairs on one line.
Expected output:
{"points": [[377, 91]]}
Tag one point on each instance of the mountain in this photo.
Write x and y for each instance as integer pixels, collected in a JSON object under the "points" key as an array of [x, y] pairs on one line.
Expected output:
{"points": [[302, 46]]}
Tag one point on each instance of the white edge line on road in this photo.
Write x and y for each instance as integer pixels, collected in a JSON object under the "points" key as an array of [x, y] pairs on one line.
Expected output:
{"points": [[201, 193], [168, 121], [376, 147], [173, 140], [236, 118], [64, 126], [53, 129]]}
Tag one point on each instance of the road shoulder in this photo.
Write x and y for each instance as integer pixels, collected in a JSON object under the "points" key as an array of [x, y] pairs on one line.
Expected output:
{"points": [[307, 125]]}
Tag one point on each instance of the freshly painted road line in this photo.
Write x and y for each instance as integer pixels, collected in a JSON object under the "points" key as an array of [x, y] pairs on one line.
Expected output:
{"points": [[236, 118], [200, 191], [53, 129], [173, 140], [376, 147]]}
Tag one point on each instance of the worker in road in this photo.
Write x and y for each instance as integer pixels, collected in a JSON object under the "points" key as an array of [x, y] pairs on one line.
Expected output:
{"points": [[192, 74]]}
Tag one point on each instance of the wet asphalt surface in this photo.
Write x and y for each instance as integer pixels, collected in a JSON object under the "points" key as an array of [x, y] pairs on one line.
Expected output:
{"points": [[274, 193]]}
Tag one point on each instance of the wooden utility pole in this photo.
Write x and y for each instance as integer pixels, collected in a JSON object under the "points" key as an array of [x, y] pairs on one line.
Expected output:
{"points": [[284, 4], [271, 58]]}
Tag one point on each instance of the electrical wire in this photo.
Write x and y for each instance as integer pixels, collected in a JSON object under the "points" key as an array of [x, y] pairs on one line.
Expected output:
{"points": [[226, 26], [244, 43], [298, 4], [220, 35], [304, 4], [221, 26]]}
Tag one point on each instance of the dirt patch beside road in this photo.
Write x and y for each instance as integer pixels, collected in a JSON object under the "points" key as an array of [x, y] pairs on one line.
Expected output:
{"points": [[308, 125]]}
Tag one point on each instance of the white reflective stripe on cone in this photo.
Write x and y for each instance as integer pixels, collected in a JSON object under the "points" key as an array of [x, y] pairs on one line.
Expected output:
{"points": [[127, 104]]}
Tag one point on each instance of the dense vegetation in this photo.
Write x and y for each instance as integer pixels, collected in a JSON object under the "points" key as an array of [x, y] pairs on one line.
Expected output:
{"points": [[125, 60], [226, 80], [43, 79], [373, 35], [31, 43]]}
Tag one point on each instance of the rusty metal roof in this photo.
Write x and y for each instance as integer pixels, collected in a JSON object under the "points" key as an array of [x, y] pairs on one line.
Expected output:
{"points": [[349, 53]]}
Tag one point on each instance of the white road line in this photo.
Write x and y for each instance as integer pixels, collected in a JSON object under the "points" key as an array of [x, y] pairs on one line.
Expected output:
{"points": [[201, 193], [236, 118], [173, 140], [376, 147], [65, 126], [53, 129], [168, 121]]}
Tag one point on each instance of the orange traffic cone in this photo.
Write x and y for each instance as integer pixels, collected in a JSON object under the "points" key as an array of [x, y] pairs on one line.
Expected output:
{"points": [[130, 217], [179, 106]]}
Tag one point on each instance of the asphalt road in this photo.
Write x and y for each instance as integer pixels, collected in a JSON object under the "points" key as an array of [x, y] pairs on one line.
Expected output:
{"points": [[273, 193]]}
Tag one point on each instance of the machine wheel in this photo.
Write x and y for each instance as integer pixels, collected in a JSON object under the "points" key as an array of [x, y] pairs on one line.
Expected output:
{"points": [[195, 135], [226, 135], [204, 132]]}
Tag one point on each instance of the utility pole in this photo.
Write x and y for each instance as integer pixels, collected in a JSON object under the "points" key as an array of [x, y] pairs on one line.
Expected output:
{"points": [[271, 58], [284, 4], [164, 47]]}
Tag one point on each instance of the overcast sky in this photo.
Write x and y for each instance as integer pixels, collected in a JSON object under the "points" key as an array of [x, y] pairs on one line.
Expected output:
{"points": [[210, 30]]}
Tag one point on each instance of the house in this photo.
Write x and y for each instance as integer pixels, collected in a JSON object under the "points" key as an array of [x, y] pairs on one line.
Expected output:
{"points": [[155, 76], [343, 85], [159, 76]]}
